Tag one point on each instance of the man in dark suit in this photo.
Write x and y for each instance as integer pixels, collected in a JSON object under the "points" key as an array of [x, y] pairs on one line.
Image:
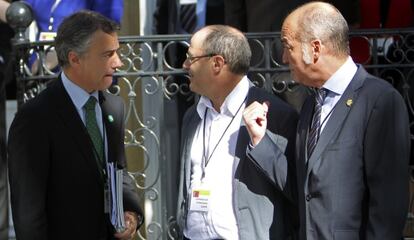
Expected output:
{"points": [[222, 195], [5, 49], [58, 152], [352, 147]]}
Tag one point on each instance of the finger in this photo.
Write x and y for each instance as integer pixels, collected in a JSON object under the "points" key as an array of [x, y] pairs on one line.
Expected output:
{"points": [[259, 121], [252, 106], [128, 233], [266, 105]]}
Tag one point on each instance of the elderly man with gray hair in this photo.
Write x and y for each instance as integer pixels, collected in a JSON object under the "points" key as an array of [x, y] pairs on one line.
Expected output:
{"points": [[353, 141]]}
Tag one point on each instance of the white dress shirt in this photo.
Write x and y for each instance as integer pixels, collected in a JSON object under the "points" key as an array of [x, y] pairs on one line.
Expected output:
{"points": [[336, 85], [219, 221]]}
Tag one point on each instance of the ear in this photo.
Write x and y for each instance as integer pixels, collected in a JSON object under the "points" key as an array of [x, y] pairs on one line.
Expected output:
{"points": [[73, 58], [218, 63], [316, 49]]}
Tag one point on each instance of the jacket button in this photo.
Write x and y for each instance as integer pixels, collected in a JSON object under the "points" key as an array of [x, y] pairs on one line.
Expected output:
{"points": [[308, 197]]}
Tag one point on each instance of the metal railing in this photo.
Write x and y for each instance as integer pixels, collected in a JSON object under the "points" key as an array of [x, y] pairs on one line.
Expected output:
{"points": [[156, 93]]}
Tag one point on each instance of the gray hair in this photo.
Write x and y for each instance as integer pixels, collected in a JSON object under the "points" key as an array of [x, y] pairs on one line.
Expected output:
{"points": [[323, 21], [76, 31], [231, 44]]}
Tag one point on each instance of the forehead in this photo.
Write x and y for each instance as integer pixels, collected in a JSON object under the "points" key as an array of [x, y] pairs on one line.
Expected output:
{"points": [[102, 41], [198, 39], [289, 28]]}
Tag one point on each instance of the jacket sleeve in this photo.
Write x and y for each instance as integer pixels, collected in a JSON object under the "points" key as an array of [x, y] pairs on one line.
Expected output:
{"points": [[269, 155], [386, 157], [274, 155], [28, 151]]}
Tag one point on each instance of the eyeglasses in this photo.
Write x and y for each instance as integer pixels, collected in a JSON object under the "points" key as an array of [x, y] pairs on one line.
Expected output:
{"points": [[193, 59]]}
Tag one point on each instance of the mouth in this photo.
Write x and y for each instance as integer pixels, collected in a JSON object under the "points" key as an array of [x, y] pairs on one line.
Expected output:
{"points": [[190, 75]]}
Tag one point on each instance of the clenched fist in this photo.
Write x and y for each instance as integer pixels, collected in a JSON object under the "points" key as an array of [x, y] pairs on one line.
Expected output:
{"points": [[254, 116]]}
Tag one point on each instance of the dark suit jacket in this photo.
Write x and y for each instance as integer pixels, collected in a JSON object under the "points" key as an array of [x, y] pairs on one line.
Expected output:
{"points": [[262, 211], [56, 188], [356, 183]]}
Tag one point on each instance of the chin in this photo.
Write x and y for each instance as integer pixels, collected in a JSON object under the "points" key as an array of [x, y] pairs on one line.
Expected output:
{"points": [[107, 83], [191, 86], [294, 78]]}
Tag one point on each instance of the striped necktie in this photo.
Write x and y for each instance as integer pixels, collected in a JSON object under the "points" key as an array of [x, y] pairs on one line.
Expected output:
{"points": [[188, 17], [315, 128]]}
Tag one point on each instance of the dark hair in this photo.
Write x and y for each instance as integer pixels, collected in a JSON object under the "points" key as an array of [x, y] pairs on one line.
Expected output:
{"points": [[231, 44], [76, 31]]}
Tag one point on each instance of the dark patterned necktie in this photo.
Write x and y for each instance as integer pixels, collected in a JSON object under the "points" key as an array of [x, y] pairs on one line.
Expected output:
{"points": [[188, 17], [93, 129], [315, 128]]}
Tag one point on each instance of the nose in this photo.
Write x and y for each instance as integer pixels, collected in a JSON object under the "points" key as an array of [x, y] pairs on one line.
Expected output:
{"points": [[117, 63], [186, 64]]}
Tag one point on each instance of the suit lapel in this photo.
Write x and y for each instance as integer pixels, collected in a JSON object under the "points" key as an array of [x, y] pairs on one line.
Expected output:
{"points": [[243, 137], [76, 129], [339, 114], [302, 137], [303, 127]]}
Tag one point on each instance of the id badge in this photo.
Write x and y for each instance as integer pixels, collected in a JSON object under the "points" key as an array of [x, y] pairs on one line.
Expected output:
{"points": [[107, 199], [47, 36], [200, 199]]}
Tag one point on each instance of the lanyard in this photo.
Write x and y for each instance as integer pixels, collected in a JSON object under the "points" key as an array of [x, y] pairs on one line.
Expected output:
{"points": [[52, 11], [205, 160]]}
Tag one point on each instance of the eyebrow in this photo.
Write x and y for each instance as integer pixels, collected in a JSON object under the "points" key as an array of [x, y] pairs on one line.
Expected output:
{"points": [[110, 51], [286, 40]]}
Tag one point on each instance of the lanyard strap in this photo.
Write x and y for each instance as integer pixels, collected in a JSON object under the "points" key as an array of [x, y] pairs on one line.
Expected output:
{"points": [[205, 160], [54, 6], [52, 11]]}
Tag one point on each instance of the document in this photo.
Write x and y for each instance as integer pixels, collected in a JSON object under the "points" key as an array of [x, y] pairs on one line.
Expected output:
{"points": [[115, 179]]}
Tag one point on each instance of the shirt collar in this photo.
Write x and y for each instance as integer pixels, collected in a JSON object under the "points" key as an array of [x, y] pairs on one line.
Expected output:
{"points": [[340, 80], [232, 102], [76, 93]]}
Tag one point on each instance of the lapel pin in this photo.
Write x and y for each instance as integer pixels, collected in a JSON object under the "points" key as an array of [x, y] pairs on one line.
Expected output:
{"points": [[349, 102], [110, 118]]}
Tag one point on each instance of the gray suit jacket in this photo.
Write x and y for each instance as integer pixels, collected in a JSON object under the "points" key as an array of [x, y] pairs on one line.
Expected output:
{"points": [[356, 183], [262, 210]]}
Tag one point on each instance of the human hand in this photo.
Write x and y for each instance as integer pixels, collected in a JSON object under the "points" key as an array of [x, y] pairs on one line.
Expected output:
{"points": [[255, 118], [131, 222]]}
